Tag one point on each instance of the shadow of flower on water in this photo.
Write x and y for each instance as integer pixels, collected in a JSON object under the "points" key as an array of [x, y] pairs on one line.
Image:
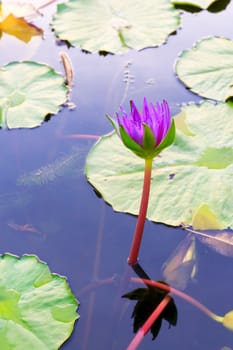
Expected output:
{"points": [[148, 313]]}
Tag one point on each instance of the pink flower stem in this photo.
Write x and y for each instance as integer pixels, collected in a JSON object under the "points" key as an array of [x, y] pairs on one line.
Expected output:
{"points": [[148, 324], [134, 251]]}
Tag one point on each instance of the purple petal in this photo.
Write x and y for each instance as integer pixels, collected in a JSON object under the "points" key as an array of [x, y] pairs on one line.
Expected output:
{"points": [[157, 117], [134, 112], [146, 112], [165, 122]]}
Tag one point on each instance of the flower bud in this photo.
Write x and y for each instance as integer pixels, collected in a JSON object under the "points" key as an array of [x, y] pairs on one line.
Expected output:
{"points": [[146, 133]]}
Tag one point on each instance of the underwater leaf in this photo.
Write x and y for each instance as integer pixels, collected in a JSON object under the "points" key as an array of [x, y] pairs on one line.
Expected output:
{"points": [[205, 219], [207, 68], [196, 169], [220, 241], [181, 266], [13, 23], [99, 25], [228, 320], [48, 173], [180, 123], [10, 200], [28, 92], [147, 301], [37, 307]]}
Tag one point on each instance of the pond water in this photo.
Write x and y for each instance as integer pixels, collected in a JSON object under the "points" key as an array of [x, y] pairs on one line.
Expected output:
{"points": [[79, 235]]}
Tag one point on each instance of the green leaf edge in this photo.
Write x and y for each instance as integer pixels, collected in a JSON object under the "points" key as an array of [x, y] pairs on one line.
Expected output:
{"points": [[53, 276]]}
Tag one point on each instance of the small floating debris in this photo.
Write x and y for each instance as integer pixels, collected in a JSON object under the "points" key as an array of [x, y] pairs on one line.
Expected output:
{"points": [[25, 228], [68, 68]]}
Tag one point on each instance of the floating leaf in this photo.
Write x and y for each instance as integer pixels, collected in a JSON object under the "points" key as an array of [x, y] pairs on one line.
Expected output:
{"points": [[28, 92], [181, 266], [19, 28], [37, 308], [97, 25], [198, 5], [219, 241], [204, 4], [207, 68], [194, 170], [13, 23]]}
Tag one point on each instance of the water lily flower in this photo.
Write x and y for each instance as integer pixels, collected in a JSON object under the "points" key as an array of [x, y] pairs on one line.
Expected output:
{"points": [[146, 133]]}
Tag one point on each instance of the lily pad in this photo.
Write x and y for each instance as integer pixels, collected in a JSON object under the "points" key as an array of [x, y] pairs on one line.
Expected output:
{"points": [[29, 91], [99, 25], [198, 4], [37, 308], [196, 169], [207, 68], [18, 8]]}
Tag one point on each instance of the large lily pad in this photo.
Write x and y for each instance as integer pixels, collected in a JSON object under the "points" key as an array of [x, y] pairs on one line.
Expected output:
{"points": [[115, 26], [207, 68], [196, 169], [28, 92], [37, 308]]}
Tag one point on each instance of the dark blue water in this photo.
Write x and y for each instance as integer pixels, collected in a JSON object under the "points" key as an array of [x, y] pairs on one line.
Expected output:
{"points": [[81, 236]]}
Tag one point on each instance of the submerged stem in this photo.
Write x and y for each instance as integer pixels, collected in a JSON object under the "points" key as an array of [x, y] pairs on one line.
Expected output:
{"points": [[45, 3], [182, 295], [134, 251]]}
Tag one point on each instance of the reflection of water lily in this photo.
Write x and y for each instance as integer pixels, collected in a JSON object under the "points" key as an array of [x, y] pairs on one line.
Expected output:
{"points": [[149, 132], [146, 134]]}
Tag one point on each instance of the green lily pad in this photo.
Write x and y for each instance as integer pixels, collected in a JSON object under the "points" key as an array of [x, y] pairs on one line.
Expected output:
{"points": [[201, 4], [28, 92], [196, 169], [116, 26], [207, 68], [37, 308]]}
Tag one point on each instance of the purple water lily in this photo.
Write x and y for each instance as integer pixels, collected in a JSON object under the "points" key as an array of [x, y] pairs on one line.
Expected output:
{"points": [[146, 134], [149, 132], [156, 117]]}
